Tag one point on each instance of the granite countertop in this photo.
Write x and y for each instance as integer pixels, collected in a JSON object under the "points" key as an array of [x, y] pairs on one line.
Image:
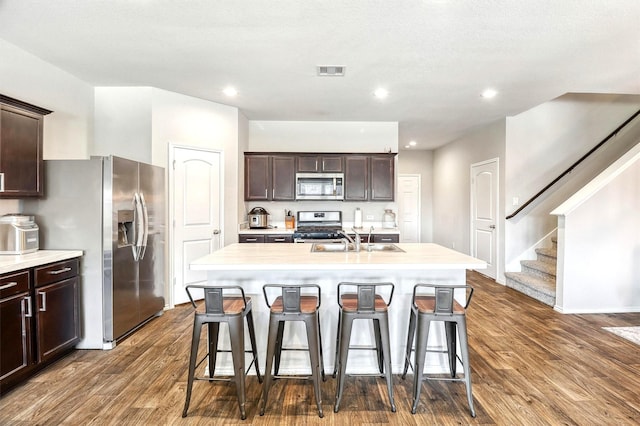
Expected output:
{"points": [[416, 256], [11, 263]]}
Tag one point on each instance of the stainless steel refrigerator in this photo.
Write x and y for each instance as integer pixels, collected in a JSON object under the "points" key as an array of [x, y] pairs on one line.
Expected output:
{"points": [[113, 209]]}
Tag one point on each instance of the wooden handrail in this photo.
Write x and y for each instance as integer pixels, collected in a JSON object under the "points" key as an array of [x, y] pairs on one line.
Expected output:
{"points": [[574, 165]]}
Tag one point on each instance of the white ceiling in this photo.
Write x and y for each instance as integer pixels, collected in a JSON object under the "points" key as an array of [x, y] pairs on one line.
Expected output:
{"points": [[435, 57]]}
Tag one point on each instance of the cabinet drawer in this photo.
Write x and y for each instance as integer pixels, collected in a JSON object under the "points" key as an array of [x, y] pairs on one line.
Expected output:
{"points": [[250, 238], [385, 238], [14, 283], [286, 238], [56, 272]]}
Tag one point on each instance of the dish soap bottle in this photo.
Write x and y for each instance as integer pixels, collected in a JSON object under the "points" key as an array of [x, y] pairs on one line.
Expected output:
{"points": [[389, 219], [357, 220]]}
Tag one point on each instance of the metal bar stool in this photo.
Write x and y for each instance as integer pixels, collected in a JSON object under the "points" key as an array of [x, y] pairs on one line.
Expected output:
{"points": [[232, 310], [293, 304], [437, 303], [364, 303]]}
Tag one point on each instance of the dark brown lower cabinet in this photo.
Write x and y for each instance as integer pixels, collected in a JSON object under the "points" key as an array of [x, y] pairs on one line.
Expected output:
{"points": [[39, 319]]}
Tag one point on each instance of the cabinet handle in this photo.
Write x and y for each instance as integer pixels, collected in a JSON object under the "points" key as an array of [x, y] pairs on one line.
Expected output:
{"points": [[59, 271], [1, 182], [28, 314], [8, 285], [43, 308], [317, 165], [386, 239], [278, 240], [266, 193], [251, 240]]}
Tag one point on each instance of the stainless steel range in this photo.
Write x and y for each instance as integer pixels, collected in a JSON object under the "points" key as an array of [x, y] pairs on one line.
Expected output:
{"points": [[316, 226]]}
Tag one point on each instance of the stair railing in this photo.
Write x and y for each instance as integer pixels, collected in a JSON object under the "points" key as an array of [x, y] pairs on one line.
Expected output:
{"points": [[574, 165]]}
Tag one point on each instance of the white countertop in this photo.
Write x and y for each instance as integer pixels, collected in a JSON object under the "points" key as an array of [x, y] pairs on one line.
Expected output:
{"points": [[274, 256], [283, 230], [10, 263]]}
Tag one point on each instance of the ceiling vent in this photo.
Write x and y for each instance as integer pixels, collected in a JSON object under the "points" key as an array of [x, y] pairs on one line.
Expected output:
{"points": [[331, 70]]}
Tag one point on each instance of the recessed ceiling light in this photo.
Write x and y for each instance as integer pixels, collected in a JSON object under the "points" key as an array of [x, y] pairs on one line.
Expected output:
{"points": [[381, 93], [412, 143], [407, 146], [230, 91], [489, 93]]}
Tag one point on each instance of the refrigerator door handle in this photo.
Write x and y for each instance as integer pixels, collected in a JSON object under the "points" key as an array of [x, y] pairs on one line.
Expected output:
{"points": [[145, 219], [139, 226]]}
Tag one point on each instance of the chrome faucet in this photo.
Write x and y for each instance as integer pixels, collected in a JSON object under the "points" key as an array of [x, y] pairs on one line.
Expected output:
{"points": [[357, 239], [369, 239], [347, 239]]}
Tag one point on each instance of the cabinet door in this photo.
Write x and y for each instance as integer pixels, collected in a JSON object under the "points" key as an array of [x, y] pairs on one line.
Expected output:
{"points": [[356, 177], [283, 171], [331, 163], [308, 163], [57, 322], [15, 337], [257, 177], [21, 164], [382, 178]]}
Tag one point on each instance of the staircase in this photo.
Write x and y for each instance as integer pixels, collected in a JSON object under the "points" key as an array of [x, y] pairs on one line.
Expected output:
{"points": [[538, 277]]}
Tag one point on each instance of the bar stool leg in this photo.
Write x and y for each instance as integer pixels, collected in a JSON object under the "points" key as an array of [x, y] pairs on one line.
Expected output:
{"points": [[313, 343], [271, 348], [336, 360], [236, 333], [278, 353], [420, 354], [195, 342], [345, 337], [213, 328], [379, 344], [254, 347], [450, 332], [464, 350], [410, 335], [386, 352], [324, 378]]}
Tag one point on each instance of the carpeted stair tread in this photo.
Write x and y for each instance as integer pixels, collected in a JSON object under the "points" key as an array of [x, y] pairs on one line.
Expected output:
{"points": [[539, 268], [538, 288], [547, 254]]}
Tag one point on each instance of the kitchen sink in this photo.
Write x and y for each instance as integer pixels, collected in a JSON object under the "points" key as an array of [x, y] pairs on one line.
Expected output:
{"points": [[340, 247]]}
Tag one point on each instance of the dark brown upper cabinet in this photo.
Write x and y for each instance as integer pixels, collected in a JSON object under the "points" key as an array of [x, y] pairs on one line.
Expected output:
{"points": [[320, 163], [369, 177], [269, 177], [21, 164]]}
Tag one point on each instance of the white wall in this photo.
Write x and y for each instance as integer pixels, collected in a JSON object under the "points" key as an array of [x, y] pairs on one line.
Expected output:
{"points": [[123, 122], [599, 266], [421, 162], [541, 143], [68, 130], [451, 184], [323, 136]]}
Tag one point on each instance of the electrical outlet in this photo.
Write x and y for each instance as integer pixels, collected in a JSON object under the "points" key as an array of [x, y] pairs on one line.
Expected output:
{"points": [[369, 217]]}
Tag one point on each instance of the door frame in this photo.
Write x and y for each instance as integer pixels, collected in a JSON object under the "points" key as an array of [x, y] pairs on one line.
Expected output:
{"points": [[171, 219], [496, 206]]}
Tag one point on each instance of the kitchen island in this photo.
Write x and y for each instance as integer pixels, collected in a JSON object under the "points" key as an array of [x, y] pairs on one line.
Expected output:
{"points": [[253, 265]]}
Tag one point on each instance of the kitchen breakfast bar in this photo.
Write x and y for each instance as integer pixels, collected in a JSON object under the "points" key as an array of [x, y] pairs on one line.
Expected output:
{"points": [[253, 265]]}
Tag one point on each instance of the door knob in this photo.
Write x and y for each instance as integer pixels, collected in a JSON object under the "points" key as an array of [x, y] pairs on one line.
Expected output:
{"points": [[216, 231], [492, 227]]}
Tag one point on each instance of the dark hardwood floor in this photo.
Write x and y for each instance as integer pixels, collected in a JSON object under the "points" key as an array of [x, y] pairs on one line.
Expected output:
{"points": [[530, 366]]}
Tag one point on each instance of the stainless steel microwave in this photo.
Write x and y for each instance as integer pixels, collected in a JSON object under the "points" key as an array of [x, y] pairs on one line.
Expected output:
{"points": [[319, 186]]}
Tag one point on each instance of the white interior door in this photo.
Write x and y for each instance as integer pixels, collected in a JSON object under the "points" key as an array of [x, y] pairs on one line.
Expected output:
{"points": [[197, 212], [484, 210], [409, 208]]}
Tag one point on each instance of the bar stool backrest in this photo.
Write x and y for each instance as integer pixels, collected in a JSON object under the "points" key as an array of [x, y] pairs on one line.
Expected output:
{"points": [[214, 297], [292, 296], [444, 296], [366, 294]]}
